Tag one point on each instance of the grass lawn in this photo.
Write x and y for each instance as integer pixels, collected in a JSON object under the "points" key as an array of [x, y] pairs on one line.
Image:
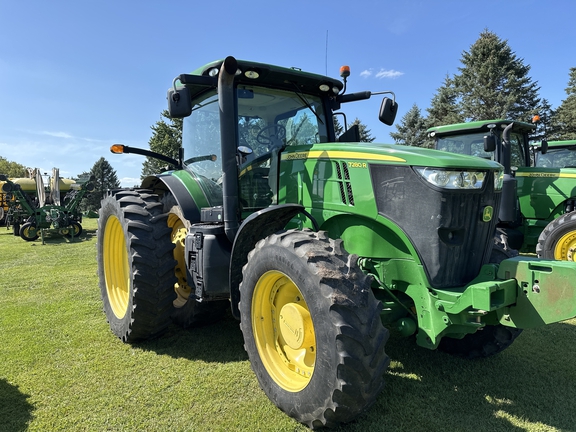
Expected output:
{"points": [[62, 369]]}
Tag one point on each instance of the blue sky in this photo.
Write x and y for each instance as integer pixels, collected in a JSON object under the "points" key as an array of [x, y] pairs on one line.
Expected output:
{"points": [[78, 76]]}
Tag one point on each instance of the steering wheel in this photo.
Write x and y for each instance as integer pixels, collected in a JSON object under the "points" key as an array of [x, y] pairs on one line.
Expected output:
{"points": [[275, 133]]}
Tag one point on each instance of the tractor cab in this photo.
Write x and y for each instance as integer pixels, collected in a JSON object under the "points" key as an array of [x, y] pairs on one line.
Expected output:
{"points": [[273, 109]]}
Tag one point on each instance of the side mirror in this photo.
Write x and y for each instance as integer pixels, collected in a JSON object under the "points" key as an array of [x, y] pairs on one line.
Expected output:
{"points": [[3, 177], [388, 111], [544, 147], [489, 143], [179, 102]]}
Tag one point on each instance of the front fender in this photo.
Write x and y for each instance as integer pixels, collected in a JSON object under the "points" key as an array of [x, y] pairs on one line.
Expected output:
{"points": [[179, 191], [255, 227]]}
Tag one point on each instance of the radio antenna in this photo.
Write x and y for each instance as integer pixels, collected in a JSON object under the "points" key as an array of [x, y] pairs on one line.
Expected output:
{"points": [[326, 52]]}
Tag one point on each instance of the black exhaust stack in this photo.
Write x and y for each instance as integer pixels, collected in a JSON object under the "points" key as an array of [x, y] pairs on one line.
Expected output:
{"points": [[508, 207], [228, 125]]}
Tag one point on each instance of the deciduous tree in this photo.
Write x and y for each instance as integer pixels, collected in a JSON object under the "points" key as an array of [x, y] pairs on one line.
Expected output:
{"points": [[167, 140], [11, 169]]}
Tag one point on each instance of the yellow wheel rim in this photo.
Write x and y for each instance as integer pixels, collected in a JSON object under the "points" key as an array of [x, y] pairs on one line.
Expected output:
{"points": [[565, 248], [178, 236], [30, 231], [116, 267], [283, 331]]}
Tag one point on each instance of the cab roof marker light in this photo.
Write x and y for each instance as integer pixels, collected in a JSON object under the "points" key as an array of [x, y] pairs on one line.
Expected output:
{"points": [[251, 74]]}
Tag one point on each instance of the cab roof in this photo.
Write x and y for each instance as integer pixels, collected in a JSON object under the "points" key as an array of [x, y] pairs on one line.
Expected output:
{"points": [[479, 126], [555, 144], [268, 75]]}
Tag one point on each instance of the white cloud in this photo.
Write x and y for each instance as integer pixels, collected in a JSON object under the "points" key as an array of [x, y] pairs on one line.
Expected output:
{"points": [[383, 73], [130, 182], [366, 73], [57, 134]]}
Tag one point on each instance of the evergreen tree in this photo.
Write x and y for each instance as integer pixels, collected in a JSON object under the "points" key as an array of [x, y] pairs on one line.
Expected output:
{"points": [[11, 169], [365, 135], [412, 130], [444, 108], [493, 83], [167, 140], [338, 128], [105, 178], [565, 116], [544, 122]]}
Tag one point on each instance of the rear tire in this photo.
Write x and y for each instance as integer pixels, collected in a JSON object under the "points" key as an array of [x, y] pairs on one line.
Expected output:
{"points": [[312, 328], [557, 241], [491, 339], [135, 264]]}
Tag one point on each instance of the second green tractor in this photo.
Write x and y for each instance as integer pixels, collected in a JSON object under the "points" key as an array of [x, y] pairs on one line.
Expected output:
{"points": [[537, 213]]}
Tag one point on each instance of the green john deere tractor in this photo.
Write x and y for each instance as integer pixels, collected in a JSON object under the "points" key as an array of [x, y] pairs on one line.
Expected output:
{"points": [[549, 193], [539, 193], [319, 244]]}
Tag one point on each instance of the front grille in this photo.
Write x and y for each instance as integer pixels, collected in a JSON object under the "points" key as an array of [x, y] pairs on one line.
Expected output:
{"points": [[445, 226]]}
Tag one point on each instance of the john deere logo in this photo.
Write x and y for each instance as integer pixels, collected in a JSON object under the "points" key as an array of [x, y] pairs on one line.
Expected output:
{"points": [[487, 213]]}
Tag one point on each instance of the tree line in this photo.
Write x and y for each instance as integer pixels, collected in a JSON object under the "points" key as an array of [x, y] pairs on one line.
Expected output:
{"points": [[492, 83]]}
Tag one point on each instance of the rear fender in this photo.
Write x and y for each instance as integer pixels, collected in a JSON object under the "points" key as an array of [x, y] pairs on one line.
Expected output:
{"points": [[257, 226]]}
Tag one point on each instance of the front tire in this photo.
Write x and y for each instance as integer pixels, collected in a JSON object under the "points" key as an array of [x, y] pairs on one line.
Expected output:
{"points": [[135, 264], [557, 241], [312, 328]]}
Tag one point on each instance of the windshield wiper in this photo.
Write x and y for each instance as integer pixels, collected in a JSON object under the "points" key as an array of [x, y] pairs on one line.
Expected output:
{"points": [[305, 102]]}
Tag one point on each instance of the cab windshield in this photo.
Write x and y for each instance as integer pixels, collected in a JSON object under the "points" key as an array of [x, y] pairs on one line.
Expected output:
{"points": [[268, 121], [557, 158], [473, 144]]}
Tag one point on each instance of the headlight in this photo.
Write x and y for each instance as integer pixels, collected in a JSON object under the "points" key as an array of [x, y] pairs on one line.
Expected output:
{"points": [[452, 179], [498, 179]]}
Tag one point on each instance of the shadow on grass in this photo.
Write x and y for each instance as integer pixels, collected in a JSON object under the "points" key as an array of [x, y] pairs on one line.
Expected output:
{"points": [[15, 411], [7, 231], [529, 386], [200, 342], [54, 238]]}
